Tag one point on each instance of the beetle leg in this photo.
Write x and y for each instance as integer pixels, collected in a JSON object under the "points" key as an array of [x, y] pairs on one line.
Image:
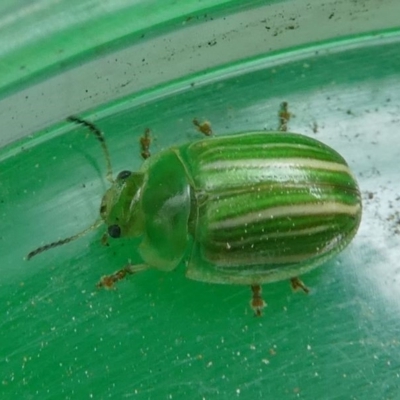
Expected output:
{"points": [[108, 281], [257, 302], [203, 127], [145, 142], [284, 116], [296, 284]]}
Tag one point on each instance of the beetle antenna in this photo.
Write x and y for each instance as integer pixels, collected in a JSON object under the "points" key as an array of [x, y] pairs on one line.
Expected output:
{"points": [[49, 246], [100, 137]]}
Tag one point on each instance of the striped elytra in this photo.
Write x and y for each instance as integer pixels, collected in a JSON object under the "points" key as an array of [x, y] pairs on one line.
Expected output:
{"points": [[273, 205], [242, 209]]}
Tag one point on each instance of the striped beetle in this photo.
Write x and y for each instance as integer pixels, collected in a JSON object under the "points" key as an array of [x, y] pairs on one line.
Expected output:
{"points": [[255, 207]]}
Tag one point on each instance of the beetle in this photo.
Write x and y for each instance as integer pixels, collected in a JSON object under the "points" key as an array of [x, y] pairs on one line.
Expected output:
{"points": [[245, 209]]}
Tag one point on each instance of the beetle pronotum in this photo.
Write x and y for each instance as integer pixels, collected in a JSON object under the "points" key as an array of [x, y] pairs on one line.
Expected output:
{"points": [[255, 207]]}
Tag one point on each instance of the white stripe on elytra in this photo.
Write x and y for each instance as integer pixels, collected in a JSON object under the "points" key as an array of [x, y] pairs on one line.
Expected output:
{"points": [[329, 207], [264, 163]]}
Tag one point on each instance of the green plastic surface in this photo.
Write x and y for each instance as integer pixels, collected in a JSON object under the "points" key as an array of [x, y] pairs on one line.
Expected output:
{"points": [[161, 336]]}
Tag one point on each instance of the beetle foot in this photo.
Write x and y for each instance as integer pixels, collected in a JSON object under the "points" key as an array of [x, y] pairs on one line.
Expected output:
{"points": [[297, 284], [203, 127], [145, 142], [108, 281], [257, 303], [284, 116]]}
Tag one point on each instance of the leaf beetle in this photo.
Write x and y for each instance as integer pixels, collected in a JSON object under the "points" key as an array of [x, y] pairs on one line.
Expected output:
{"points": [[255, 207]]}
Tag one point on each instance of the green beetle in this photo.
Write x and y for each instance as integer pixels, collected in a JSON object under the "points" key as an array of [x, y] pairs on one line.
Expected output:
{"points": [[255, 207]]}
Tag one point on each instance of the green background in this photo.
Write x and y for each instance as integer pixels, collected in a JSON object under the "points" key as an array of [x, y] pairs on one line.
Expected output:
{"points": [[161, 336]]}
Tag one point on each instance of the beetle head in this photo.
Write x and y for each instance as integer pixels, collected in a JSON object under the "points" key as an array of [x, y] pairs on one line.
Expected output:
{"points": [[121, 208]]}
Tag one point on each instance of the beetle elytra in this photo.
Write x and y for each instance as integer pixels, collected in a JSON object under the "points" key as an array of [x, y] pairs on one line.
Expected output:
{"points": [[255, 207]]}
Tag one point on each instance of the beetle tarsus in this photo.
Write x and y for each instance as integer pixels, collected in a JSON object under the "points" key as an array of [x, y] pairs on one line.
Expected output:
{"points": [[145, 142], [203, 127], [257, 302], [284, 116], [297, 284], [109, 281]]}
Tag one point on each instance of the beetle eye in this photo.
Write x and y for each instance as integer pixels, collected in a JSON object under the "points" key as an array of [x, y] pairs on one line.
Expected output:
{"points": [[114, 231], [124, 174]]}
